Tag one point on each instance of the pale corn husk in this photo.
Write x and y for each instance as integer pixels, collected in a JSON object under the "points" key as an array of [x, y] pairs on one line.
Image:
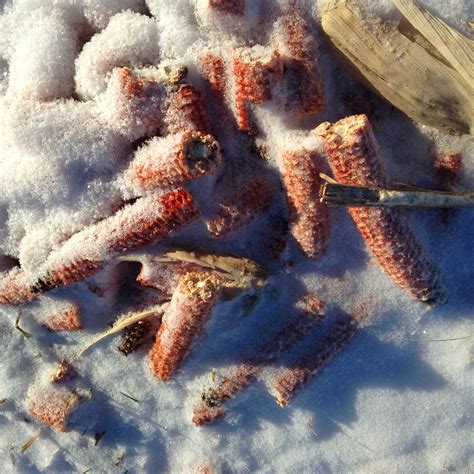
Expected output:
{"points": [[428, 90]]}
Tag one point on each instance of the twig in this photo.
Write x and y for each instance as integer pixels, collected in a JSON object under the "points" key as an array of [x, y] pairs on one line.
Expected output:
{"points": [[348, 195], [28, 443]]}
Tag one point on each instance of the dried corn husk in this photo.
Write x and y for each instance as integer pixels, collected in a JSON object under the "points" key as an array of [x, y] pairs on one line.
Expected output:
{"points": [[409, 76]]}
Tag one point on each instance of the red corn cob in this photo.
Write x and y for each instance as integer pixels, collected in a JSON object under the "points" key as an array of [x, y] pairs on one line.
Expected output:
{"points": [[354, 156], [52, 405], [448, 167], [254, 75], [303, 87], [289, 380], [65, 317], [173, 160], [309, 220], [185, 110], [190, 307], [148, 219], [213, 70], [132, 104], [15, 288], [237, 7], [310, 310], [240, 206]]}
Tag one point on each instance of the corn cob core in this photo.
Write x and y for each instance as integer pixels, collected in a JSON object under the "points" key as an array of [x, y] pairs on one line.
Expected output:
{"points": [[236, 7], [309, 219], [354, 156], [15, 288], [183, 321]]}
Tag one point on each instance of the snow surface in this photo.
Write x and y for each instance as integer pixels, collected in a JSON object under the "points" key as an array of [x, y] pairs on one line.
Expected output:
{"points": [[397, 399]]}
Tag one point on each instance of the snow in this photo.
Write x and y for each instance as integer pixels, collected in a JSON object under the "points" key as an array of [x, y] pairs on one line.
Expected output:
{"points": [[398, 398]]}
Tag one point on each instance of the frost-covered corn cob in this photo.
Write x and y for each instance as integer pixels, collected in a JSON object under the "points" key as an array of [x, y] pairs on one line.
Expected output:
{"points": [[239, 206], [150, 218], [212, 68], [191, 305], [255, 71], [354, 157], [185, 110], [236, 7], [132, 104], [309, 219], [60, 316], [289, 380], [52, 404], [310, 310], [173, 160], [303, 86], [15, 287]]}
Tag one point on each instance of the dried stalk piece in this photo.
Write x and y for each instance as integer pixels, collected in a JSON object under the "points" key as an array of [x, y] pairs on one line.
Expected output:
{"points": [[149, 219], [15, 288], [310, 311], [183, 321], [64, 372], [173, 160], [349, 195], [353, 154], [302, 79], [309, 219], [289, 380], [52, 405], [185, 110], [236, 7], [400, 70], [254, 70], [235, 272]]}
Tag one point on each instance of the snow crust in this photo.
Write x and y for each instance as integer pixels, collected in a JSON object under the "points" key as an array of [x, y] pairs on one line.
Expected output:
{"points": [[397, 399]]}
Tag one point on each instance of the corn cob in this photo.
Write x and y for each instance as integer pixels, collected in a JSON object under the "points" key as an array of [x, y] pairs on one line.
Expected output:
{"points": [[149, 219], [213, 70], [309, 220], [303, 86], [309, 311], [173, 160], [289, 380], [52, 405], [254, 73], [15, 288], [66, 318], [132, 104], [185, 110], [191, 305], [354, 156], [236, 7], [448, 167]]}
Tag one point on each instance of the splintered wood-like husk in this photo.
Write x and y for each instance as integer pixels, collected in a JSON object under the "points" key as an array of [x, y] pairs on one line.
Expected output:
{"points": [[411, 78]]}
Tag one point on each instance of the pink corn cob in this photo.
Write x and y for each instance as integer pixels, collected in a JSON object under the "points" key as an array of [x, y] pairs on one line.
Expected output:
{"points": [[448, 167], [304, 90], [185, 110], [289, 380], [65, 319], [354, 156], [173, 160], [237, 7], [254, 75], [149, 219], [309, 220], [190, 307], [310, 310], [132, 104], [213, 70], [241, 205], [52, 405], [15, 288]]}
